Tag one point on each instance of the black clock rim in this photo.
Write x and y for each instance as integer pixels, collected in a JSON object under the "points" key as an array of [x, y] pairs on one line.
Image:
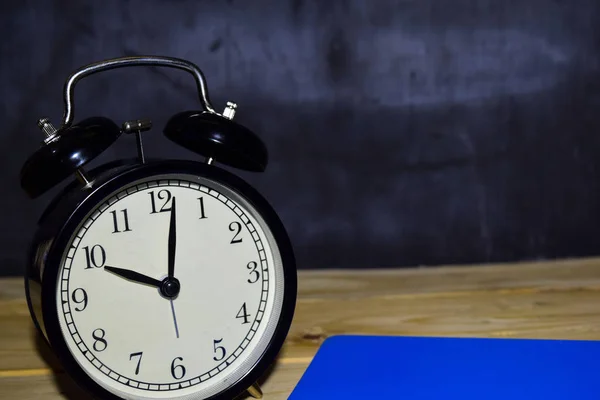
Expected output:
{"points": [[263, 207]]}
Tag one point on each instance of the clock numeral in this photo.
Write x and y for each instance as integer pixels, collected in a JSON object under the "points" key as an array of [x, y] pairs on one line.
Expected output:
{"points": [[163, 194], [96, 257], [84, 298], [243, 313], [237, 228], [116, 221], [137, 368], [100, 343], [220, 349], [202, 214], [255, 275], [175, 368]]}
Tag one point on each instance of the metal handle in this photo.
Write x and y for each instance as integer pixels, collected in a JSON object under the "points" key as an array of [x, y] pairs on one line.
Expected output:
{"points": [[131, 62]]}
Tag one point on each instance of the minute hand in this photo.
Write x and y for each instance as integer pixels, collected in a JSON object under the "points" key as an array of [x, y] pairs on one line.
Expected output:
{"points": [[133, 276], [172, 240]]}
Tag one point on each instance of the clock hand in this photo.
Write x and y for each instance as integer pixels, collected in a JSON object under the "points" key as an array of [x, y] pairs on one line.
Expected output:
{"points": [[174, 318], [134, 276], [172, 240]]}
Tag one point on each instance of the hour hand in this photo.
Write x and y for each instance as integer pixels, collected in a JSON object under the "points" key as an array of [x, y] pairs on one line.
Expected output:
{"points": [[133, 276]]}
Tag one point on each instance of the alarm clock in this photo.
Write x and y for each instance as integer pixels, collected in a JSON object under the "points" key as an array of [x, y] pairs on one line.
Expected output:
{"points": [[152, 278]]}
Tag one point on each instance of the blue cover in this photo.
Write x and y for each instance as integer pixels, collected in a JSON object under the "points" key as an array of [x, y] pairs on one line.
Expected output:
{"points": [[421, 368]]}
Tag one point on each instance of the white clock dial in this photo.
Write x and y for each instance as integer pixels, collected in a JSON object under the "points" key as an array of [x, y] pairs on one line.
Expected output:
{"points": [[140, 344]]}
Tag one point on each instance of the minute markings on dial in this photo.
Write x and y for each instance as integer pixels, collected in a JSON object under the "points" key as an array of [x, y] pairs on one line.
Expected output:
{"points": [[231, 355]]}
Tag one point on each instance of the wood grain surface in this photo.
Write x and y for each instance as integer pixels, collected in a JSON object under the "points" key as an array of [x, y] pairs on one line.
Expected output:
{"points": [[530, 300]]}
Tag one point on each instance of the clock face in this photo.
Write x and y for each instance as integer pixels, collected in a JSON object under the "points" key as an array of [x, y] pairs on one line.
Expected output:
{"points": [[143, 333]]}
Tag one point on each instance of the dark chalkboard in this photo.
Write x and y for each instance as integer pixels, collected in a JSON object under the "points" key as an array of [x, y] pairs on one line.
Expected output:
{"points": [[400, 132]]}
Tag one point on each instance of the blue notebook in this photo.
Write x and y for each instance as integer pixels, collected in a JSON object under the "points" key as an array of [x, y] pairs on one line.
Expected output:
{"points": [[422, 368]]}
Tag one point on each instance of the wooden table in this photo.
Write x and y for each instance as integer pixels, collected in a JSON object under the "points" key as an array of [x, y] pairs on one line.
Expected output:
{"points": [[533, 300]]}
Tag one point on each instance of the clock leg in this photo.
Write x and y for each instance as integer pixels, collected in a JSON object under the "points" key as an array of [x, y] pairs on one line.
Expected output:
{"points": [[255, 391]]}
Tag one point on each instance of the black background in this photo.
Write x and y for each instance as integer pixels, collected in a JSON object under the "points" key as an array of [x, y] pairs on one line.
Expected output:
{"points": [[400, 133]]}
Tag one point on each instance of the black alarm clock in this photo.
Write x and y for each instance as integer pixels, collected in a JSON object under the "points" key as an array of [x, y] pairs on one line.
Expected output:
{"points": [[151, 278]]}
